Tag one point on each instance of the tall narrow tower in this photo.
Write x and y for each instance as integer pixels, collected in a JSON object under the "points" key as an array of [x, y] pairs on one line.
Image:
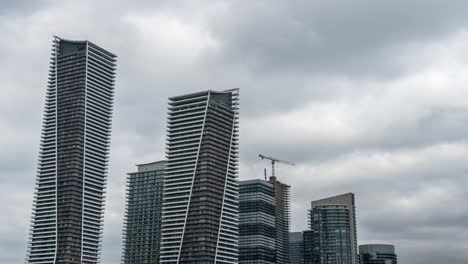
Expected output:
{"points": [[281, 192], [200, 197], [68, 207]]}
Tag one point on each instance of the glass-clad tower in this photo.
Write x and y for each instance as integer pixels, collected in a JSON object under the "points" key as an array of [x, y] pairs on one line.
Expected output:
{"points": [[332, 237], [296, 248], [377, 254], [142, 223], [257, 222], [200, 196], [310, 252], [68, 207]]}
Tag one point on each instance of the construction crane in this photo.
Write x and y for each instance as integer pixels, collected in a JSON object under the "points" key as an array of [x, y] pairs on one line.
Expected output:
{"points": [[273, 161]]}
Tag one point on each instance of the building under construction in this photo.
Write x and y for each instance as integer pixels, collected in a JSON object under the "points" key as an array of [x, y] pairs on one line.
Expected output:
{"points": [[264, 219], [263, 222], [282, 219]]}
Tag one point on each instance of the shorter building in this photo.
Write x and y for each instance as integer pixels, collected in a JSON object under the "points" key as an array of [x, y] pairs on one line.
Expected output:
{"points": [[308, 241], [296, 248], [263, 222], [332, 238], [142, 223], [377, 254], [257, 228]]}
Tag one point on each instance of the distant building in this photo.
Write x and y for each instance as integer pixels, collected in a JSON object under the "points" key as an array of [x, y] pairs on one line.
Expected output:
{"points": [[282, 220], [377, 254], [296, 248], [201, 192], [309, 247], [257, 225], [68, 207], [332, 238], [142, 224]]}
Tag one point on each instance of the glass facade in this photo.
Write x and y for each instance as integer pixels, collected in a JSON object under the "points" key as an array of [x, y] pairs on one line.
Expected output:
{"points": [[257, 227], [332, 235], [142, 223], [377, 254], [200, 197], [67, 218], [296, 248], [309, 247]]}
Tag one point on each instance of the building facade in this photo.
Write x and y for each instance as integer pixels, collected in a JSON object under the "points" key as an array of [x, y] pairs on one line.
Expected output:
{"points": [[333, 231], [309, 247], [68, 205], [282, 219], [142, 222], [296, 248], [377, 254], [200, 197], [257, 231]]}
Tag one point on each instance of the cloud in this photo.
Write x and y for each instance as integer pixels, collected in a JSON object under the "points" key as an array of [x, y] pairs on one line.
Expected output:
{"points": [[331, 36], [367, 97], [410, 197]]}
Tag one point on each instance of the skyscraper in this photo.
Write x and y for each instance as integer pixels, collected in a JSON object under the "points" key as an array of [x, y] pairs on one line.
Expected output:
{"points": [[200, 197], [142, 223], [281, 192], [377, 254], [257, 221], [333, 231], [296, 248], [68, 206]]}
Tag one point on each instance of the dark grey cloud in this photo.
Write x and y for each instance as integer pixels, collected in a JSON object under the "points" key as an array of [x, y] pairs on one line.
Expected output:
{"points": [[355, 38], [9, 7], [402, 198], [365, 96]]}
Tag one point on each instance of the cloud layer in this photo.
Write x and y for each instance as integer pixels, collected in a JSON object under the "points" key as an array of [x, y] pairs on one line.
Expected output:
{"points": [[367, 97]]}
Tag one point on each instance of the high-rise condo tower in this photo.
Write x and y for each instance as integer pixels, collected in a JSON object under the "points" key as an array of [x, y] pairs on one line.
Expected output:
{"points": [[296, 248], [142, 222], [68, 207], [200, 197], [332, 237], [257, 222]]}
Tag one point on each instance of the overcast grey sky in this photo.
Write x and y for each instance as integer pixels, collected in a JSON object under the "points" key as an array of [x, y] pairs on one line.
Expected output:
{"points": [[365, 96]]}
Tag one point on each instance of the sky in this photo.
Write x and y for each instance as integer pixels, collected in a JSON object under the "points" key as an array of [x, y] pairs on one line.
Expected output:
{"points": [[365, 96]]}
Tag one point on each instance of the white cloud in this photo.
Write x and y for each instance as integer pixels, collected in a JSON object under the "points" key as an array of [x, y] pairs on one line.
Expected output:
{"points": [[166, 37]]}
